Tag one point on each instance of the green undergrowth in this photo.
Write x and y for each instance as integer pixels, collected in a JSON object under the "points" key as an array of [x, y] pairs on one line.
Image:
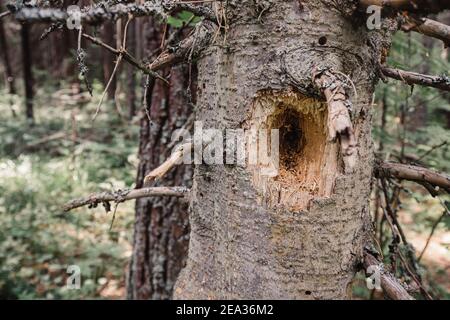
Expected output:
{"points": [[62, 156]]}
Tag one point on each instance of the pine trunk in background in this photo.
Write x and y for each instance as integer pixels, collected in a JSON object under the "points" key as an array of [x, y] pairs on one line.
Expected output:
{"points": [[6, 60], [161, 224], [131, 72], [301, 234], [27, 72], [108, 31]]}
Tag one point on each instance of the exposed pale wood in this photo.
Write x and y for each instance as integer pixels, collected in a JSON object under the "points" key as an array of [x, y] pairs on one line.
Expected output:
{"points": [[173, 160], [339, 122]]}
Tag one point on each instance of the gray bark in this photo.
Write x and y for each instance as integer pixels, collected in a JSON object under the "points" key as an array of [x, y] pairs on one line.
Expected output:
{"points": [[250, 238]]}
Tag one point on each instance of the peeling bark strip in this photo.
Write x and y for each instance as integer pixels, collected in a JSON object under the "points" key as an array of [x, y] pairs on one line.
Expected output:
{"points": [[413, 173], [391, 285], [439, 82], [124, 195], [339, 106], [307, 164]]}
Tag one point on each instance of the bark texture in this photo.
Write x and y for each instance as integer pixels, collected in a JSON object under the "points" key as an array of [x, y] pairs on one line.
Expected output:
{"points": [[161, 227], [299, 235]]}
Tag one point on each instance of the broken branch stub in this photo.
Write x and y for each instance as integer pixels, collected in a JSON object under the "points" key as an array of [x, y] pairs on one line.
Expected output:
{"points": [[173, 160], [339, 122]]}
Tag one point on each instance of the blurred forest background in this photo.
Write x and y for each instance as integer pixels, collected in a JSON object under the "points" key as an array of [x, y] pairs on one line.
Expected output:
{"points": [[51, 152]]}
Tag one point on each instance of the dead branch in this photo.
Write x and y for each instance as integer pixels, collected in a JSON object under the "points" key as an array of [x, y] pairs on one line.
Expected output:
{"points": [[173, 160], [413, 173], [126, 56], [339, 122], [194, 44], [124, 195], [427, 27], [390, 284], [397, 232], [99, 13], [416, 6], [439, 82], [121, 49]]}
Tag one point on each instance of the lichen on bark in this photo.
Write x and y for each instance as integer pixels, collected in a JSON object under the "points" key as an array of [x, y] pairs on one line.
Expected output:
{"points": [[241, 245]]}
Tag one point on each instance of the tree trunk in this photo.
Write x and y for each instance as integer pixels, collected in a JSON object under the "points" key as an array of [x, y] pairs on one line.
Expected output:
{"points": [[161, 226], [131, 72], [299, 235], [27, 72], [6, 60]]}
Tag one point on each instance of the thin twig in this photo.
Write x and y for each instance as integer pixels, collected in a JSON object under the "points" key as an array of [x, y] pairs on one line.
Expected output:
{"points": [[126, 56], [433, 229], [114, 215], [119, 59], [431, 150], [124, 195], [410, 78]]}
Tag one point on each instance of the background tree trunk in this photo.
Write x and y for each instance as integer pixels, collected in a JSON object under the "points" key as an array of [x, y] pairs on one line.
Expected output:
{"points": [[161, 225], [299, 235], [6, 60], [27, 72], [131, 72]]}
